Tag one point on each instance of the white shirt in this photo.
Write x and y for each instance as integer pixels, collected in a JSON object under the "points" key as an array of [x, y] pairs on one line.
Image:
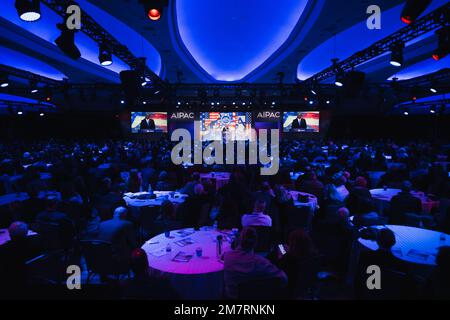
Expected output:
{"points": [[257, 219]]}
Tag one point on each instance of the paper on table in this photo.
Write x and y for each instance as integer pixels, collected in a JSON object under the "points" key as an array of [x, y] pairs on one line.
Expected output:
{"points": [[184, 233], [182, 257], [159, 252], [185, 242], [413, 253]]}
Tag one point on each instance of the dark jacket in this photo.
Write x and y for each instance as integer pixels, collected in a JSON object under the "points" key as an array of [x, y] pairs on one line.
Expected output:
{"points": [[402, 203]]}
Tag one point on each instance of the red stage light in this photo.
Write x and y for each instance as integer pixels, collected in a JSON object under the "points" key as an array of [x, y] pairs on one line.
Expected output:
{"points": [[406, 19], [154, 14]]}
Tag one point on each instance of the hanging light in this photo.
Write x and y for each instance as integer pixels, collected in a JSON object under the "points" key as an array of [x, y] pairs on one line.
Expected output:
{"points": [[28, 10], [105, 56], [339, 79], [397, 54], [4, 81]]}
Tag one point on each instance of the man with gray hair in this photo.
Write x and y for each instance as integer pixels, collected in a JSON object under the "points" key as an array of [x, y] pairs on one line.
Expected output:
{"points": [[119, 232]]}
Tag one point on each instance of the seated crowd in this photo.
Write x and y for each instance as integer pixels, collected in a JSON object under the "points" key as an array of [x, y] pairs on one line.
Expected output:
{"points": [[291, 249]]}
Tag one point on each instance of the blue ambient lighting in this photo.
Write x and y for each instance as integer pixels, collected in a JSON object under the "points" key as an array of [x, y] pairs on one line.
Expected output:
{"points": [[231, 38]]}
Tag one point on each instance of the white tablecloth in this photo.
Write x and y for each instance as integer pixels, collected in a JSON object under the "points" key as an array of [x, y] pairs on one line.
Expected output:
{"points": [[420, 241], [161, 196], [312, 200], [22, 196], [4, 235], [201, 277], [382, 195], [221, 178]]}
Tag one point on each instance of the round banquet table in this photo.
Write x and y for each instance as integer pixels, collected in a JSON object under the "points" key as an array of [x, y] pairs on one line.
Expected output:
{"points": [[383, 197], [414, 245], [23, 196], [132, 199], [221, 178], [312, 200], [199, 278]]}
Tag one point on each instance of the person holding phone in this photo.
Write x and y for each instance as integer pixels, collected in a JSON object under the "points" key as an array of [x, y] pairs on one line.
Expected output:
{"points": [[299, 257]]}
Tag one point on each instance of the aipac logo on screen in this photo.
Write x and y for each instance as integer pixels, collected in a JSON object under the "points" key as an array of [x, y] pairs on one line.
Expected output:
{"points": [[268, 115], [182, 116]]}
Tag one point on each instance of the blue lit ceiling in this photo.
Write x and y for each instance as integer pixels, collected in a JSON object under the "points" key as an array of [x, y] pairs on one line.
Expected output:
{"points": [[231, 38], [354, 39], [422, 68], [24, 62]]}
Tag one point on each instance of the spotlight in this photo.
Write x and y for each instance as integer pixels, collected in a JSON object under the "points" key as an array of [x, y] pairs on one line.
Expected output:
{"points": [[41, 112], [143, 81], [19, 111], [397, 54], [33, 87], [273, 103], [122, 101], [104, 56], [327, 102], [433, 109], [154, 8], [66, 42], [339, 80], [4, 81], [179, 103], [28, 10], [212, 103], [443, 43], [154, 14], [413, 9], [313, 92], [311, 102], [405, 113], [433, 89], [144, 102]]}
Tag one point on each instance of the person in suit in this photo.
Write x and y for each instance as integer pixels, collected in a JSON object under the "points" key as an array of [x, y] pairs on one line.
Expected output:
{"points": [[13, 256], [119, 233], [357, 193], [382, 257], [243, 265], [299, 123], [404, 202], [148, 123], [109, 199]]}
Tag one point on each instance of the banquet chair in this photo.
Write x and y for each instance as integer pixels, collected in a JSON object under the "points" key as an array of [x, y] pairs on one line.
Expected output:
{"points": [[394, 286], [47, 269], [262, 289], [298, 218], [264, 243], [101, 259], [56, 236], [419, 221], [147, 216], [306, 286]]}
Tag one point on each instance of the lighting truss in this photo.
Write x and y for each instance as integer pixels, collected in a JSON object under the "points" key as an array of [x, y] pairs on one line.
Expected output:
{"points": [[29, 75], [432, 21], [95, 31]]}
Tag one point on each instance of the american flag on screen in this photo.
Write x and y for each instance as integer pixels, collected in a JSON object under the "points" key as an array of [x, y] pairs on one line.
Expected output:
{"points": [[212, 123]]}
